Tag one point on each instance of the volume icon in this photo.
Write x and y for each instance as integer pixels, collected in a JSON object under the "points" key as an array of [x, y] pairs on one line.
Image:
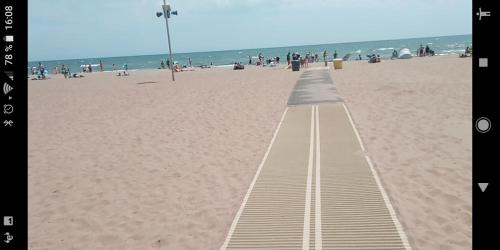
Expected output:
{"points": [[6, 88]]}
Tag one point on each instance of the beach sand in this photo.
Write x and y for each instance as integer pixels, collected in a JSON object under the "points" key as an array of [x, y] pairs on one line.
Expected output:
{"points": [[139, 162], [114, 164], [414, 117]]}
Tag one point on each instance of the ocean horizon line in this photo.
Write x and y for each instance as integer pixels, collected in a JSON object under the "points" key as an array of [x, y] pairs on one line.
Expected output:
{"points": [[230, 50]]}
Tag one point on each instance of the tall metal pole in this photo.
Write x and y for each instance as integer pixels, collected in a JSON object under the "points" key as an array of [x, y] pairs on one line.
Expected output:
{"points": [[168, 36]]}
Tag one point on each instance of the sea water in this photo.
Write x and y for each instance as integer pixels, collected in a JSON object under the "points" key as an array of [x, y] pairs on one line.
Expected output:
{"points": [[444, 45]]}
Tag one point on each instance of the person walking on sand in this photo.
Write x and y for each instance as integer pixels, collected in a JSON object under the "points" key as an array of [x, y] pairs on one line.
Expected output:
{"points": [[101, 66], [335, 55], [249, 60], [189, 60], [288, 58]]}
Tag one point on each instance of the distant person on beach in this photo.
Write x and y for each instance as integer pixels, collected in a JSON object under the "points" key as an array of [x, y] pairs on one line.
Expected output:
{"points": [[288, 58], [372, 58], [41, 68], [114, 67], [306, 61], [162, 64], [359, 57], [90, 68], [101, 66], [467, 53], [261, 58], [394, 54], [249, 60], [238, 66], [168, 63], [177, 68], [277, 59], [189, 60], [335, 55], [124, 72], [64, 71], [427, 50], [325, 57]]}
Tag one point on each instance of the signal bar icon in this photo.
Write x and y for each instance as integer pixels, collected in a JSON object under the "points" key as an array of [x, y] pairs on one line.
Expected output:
{"points": [[7, 88]]}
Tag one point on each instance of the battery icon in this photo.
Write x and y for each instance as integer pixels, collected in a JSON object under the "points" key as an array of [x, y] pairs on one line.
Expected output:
{"points": [[8, 38]]}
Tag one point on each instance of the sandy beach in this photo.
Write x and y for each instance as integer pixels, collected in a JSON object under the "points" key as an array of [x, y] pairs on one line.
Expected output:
{"points": [[139, 162], [414, 117]]}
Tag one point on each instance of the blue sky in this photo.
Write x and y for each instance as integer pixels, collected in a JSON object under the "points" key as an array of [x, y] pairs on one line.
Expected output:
{"points": [[67, 29]]}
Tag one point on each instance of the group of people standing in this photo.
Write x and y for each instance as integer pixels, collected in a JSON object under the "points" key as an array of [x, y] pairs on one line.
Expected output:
{"points": [[167, 64], [427, 51], [88, 68], [308, 58], [162, 64], [262, 62]]}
